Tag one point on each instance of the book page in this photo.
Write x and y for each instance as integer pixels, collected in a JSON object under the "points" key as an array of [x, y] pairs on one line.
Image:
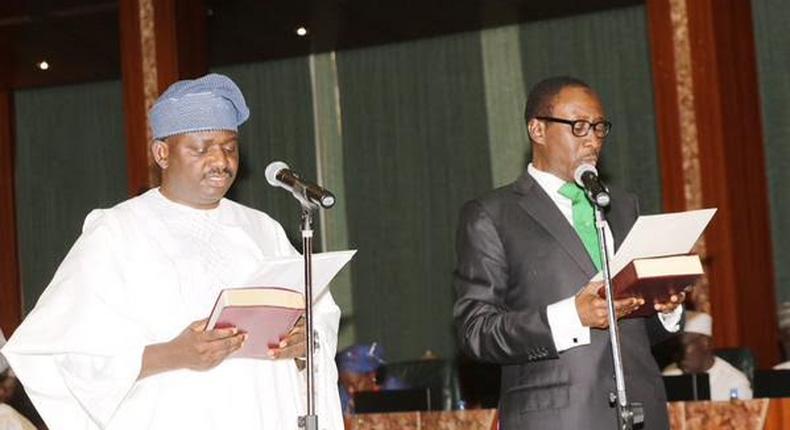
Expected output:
{"points": [[659, 236], [288, 272]]}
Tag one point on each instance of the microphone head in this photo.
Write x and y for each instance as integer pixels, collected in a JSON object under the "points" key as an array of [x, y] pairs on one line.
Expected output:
{"points": [[272, 170], [581, 170], [603, 200], [328, 200]]}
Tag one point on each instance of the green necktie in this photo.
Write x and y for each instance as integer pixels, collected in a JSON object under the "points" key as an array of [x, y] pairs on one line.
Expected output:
{"points": [[583, 220]]}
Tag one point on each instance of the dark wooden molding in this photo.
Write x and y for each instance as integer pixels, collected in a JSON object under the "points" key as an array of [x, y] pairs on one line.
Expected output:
{"points": [[179, 51], [135, 115], [729, 139], [666, 105], [181, 45], [191, 38], [166, 43], [732, 160], [10, 288]]}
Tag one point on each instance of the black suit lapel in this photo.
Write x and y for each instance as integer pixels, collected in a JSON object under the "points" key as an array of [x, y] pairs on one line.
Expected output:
{"points": [[540, 207], [616, 218]]}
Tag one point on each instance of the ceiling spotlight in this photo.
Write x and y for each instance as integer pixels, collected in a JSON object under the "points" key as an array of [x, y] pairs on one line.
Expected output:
{"points": [[301, 31], [42, 65]]}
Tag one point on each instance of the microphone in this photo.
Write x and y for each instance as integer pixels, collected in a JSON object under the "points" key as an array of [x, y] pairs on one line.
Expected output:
{"points": [[278, 174], [586, 176]]}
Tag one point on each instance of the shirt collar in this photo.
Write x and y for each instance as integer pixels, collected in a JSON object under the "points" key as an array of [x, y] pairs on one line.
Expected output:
{"points": [[550, 183]]}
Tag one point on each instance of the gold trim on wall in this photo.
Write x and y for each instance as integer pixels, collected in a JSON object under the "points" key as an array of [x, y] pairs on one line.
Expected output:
{"points": [[692, 177], [150, 78]]}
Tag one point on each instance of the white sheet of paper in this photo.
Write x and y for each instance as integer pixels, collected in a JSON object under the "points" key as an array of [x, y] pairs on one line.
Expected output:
{"points": [[288, 272], [660, 236]]}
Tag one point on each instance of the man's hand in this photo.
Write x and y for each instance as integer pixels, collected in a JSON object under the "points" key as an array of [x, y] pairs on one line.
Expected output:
{"points": [[293, 345], [197, 349], [670, 305], [194, 348], [592, 308]]}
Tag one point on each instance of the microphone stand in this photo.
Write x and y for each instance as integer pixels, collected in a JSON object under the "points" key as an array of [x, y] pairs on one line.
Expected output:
{"points": [[310, 420], [302, 191], [628, 414]]}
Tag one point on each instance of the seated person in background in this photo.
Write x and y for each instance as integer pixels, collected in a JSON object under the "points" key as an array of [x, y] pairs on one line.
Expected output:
{"points": [[10, 419], [696, 356], [784, 334], [357, 366]]}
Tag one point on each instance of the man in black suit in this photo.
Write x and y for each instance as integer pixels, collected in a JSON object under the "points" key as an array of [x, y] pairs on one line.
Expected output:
{"points": [[524, 296]]}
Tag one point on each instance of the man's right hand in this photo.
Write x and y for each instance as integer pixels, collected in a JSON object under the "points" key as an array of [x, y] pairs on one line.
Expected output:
{"points": [[194, 348], [592, 308]]}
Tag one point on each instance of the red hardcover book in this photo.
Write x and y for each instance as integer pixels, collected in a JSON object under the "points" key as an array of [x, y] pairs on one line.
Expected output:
{"points": [[266, 314], [655, 280]]}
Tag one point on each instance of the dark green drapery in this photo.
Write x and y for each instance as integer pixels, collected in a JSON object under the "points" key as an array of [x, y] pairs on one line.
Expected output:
{"points": [[773, 59], [70, 158], [414, 136]]}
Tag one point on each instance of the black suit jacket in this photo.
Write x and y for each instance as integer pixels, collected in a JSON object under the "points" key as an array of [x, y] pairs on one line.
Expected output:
{"points": [[518, 254]]}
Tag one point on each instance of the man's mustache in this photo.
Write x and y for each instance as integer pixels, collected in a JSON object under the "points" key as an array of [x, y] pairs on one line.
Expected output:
{"points": [[224, 171]]}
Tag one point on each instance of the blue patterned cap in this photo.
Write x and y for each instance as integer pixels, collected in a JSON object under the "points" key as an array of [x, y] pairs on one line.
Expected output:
{"points": [[360, 358], [212, 102]]}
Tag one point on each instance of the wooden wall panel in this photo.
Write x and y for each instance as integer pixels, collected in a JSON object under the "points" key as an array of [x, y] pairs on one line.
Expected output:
{"points": [[162, 41], [191, 38], [714, 107], [141, 168], [667, 105], [10, 293]]}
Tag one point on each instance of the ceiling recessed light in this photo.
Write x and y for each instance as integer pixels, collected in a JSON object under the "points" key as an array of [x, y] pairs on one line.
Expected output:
{"points": [[301, 31], [42, 65]]}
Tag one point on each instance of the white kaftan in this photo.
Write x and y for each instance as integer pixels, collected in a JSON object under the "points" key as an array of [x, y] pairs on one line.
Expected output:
{"points": [[726, 381], [139, 274]]}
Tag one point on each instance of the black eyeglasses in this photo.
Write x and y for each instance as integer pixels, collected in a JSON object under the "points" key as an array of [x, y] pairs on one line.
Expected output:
{"points": [[581, 127]]}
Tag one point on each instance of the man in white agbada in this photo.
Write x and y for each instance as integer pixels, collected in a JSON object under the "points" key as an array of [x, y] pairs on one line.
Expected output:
{"points": [[117, 342], [726, 382]]}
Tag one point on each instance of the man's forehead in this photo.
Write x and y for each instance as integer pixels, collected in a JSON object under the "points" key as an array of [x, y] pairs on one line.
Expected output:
{"points": [[578, 100]]}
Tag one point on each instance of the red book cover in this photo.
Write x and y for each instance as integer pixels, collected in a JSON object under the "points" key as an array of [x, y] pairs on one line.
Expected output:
{"points": [[266, 314], [655, 280]]}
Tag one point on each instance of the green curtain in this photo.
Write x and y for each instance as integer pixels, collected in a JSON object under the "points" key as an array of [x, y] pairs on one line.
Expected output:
{"points": [[773, 60], [280, 128], [505, 100], [329, 153], [70, 158], [609, 50], [415, 148]]}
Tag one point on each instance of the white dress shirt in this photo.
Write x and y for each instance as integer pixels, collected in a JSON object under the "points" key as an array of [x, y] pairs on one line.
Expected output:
{"points": [[566, 327]]}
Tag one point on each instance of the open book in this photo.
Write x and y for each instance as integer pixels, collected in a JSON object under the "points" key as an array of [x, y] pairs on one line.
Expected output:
{"points": [[653, 261], [268, 313]]}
